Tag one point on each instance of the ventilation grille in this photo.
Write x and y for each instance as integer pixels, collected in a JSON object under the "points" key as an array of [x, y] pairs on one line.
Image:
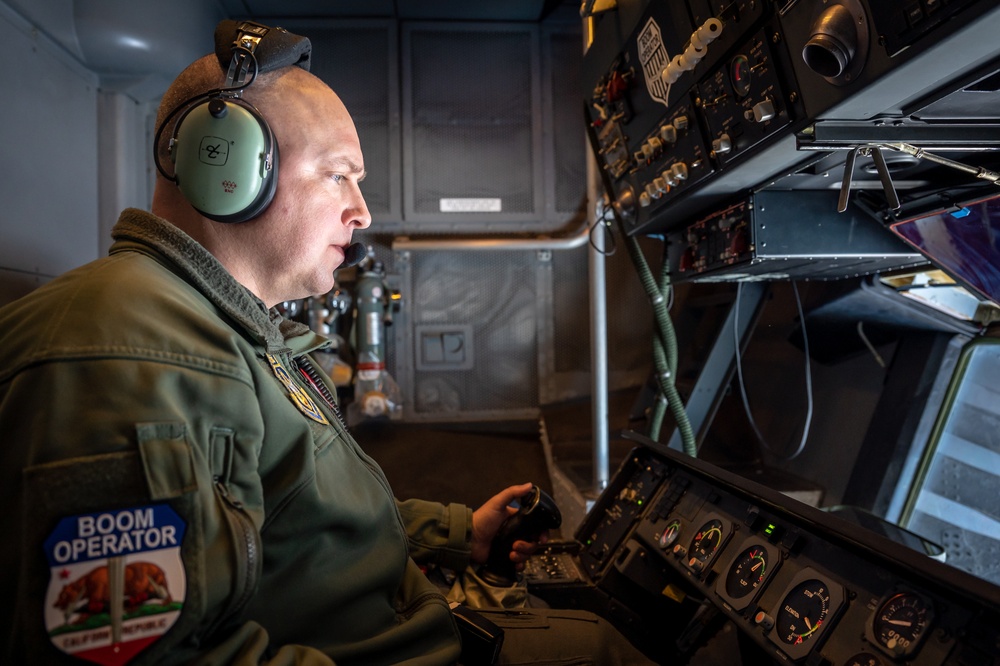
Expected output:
{"points": [[471, 125]]}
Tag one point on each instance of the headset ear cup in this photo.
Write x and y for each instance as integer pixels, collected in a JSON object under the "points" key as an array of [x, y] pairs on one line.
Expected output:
{"points": [[267, 189], [225, 160]]}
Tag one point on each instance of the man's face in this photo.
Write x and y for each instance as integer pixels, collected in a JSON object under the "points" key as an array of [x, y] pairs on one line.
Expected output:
{"points": [[301, 238]]}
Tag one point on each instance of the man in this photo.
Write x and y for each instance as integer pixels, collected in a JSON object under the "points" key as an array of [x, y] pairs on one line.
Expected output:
{"points": [[181, 486]]}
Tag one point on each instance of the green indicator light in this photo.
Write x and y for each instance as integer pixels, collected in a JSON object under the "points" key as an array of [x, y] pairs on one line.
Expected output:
{"points": [[640, 502], [769, 529]]}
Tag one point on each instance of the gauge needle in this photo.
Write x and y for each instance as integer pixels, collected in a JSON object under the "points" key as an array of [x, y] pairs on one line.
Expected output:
{"points": [[901, 623], [808, 623], [756, 566]]}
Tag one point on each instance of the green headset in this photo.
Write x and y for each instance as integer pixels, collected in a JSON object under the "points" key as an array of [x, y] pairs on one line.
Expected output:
{"points": [[224, 154]]}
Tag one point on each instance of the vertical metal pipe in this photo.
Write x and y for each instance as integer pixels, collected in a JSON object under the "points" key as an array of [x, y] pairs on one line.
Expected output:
{"points": [[598, 311], [598, 333]]}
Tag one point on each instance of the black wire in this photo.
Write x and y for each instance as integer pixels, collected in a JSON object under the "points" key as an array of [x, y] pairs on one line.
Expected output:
{"points": [[808, 375], [609, 234]]}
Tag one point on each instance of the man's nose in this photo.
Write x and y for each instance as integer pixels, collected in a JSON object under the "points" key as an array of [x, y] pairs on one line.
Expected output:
{"points": [[357, 215]]}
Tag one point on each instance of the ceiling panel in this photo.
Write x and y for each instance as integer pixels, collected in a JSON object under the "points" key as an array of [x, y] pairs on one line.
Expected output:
{"points": [[458, 10]]}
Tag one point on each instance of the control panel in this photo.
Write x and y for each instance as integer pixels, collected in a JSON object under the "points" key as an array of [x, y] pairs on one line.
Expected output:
{"points": [[800, 584], [780, 235], [691, 102]]}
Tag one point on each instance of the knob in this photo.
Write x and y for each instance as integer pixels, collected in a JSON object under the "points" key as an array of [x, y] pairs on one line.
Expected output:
{"points": [[722, 145], [217, 108], [669, 134], [661, 185], [625, 205], [696, 565], [679, 171], [764, 620], [680, 551], [681, 123], [655, 144], [652, 191], [761, 112], [645, 200]]}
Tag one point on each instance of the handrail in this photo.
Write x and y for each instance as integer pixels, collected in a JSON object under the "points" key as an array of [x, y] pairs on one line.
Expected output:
{"points": [[535, 243]]}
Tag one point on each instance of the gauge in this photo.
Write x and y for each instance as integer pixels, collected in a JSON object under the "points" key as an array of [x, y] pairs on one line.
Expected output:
{"points": [[740, 75], [803, 612], [748, 571], [808, 607], [706, 543], [670, 534], [864, 659], [901, 622]]}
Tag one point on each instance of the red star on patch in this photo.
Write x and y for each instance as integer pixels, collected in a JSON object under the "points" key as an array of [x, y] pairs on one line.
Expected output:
{"points": [[64, 574]]}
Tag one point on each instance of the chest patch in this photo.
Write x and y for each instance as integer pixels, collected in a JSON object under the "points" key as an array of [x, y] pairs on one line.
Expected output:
{"points": [[117, 582], [298, 394]]}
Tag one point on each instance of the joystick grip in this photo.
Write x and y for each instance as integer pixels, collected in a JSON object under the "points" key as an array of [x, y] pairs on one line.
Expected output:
{"points": [[537, 513]]}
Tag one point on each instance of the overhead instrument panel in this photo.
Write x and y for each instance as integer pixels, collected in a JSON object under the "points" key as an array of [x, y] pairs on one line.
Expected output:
{"points": [[693, 102], [800, 585]]}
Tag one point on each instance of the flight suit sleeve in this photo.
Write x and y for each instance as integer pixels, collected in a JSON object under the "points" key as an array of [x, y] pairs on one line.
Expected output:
{"points": [[172, 510], [438, 534]]}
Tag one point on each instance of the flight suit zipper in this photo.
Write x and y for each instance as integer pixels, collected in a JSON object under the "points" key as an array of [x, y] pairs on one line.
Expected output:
{"points": [[248, 550], [309, 373]]}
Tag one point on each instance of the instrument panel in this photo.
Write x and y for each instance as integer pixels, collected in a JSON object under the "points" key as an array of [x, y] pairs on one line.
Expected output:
{"points": [[688, 102], [803, 585]]}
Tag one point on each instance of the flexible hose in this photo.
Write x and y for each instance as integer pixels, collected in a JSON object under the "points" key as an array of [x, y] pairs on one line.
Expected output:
{"points": [[664, 349], [665, 341]]}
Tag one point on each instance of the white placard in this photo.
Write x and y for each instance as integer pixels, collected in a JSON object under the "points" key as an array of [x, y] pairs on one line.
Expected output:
{"points": [[469, 205]]}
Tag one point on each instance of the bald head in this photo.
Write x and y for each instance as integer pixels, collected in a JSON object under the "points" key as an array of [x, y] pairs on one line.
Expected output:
{"points": [[318, 199]]}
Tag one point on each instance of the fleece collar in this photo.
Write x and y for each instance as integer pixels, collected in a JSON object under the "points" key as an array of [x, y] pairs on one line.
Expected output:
{"points": [[159, 238]]}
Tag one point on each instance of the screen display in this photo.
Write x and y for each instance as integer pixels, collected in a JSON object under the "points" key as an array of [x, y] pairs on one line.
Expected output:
{"points": [[964, 243]]}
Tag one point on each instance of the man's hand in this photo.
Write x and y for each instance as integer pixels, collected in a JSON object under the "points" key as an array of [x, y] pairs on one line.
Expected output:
{"points": [[487, 519]]}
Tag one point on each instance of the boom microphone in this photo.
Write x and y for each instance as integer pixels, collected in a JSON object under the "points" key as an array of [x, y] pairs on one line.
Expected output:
{"points": [[354, 254]]}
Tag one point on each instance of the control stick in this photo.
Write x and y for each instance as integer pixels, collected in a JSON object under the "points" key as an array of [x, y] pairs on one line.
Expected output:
{"points": [[538, 512]]}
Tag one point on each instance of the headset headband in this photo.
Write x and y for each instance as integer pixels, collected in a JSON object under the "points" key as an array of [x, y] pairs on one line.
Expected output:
{"points": [[239, 42]]}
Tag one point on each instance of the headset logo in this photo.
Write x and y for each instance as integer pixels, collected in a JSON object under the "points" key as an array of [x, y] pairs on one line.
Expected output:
{"points": [[214, 150]]}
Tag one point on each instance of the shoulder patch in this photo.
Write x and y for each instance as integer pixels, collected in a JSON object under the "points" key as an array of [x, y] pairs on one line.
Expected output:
{"points": [[117, 582]]}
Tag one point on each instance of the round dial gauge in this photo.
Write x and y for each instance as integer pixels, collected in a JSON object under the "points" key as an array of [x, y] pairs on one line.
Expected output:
{"points": [[706, 541], [747, 572], [670, 534], [740, 75], [803, 611], [901, 622]]}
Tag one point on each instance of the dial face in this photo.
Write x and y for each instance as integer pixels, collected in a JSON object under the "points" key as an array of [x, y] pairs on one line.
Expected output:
{"points": [[747, 573], [864, 659], [803, 611], [706, 542], [901, 622], [670, 534], [740, 75]]}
